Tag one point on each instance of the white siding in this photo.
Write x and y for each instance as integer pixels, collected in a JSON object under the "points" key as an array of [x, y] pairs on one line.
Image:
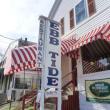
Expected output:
{"points": [[93, 22], [100, 17], [84, 105], [63, 11], [102, 4]]}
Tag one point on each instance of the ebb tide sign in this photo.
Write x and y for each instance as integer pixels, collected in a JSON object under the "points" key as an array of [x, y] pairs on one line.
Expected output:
{"points": [[52, 55], [51, 60]]}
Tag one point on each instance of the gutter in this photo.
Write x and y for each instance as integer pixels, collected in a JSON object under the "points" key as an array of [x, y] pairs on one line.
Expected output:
{"points": [[54, 9]]}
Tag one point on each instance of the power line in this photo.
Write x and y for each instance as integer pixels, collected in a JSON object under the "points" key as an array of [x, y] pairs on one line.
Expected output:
{"points": [[9, 47], [6, 37]]}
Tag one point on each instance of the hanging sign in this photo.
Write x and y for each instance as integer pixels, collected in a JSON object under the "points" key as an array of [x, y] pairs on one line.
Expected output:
{"points": [[52, 56], [49, 53], [98, 90], [49, 59]]}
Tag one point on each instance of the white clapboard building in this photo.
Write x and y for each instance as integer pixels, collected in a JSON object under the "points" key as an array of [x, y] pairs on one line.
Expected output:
{"points": [[87, 57]]}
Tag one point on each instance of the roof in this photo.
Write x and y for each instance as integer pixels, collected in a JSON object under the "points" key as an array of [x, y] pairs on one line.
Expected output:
{"points": [[54, 9]]}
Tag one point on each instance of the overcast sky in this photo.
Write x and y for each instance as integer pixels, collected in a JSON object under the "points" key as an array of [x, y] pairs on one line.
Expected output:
{"points": [[19, 18]]}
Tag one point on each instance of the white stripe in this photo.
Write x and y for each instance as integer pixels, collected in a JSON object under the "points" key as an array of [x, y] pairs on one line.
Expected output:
{"points": [[105, 28], [35, 53], [27, 54], [107, 33], [21, 54], [16, 56], [31, 53]]}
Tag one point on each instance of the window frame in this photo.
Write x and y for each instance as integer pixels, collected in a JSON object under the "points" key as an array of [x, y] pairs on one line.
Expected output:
{"points": [[62, 28], [72, 18], [89, 15], [86, 13], [20, 83]]}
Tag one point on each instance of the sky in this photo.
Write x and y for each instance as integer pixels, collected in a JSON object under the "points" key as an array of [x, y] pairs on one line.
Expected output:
{"points": [[19, 18]]}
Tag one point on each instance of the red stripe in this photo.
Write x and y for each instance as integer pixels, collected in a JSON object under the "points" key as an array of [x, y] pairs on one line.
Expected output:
{"points": [[34, 53], [66, 44], [23, 53], [29, 53], [20, 58], [89, 36], [14, 58], [63, 47], [35, 47]]}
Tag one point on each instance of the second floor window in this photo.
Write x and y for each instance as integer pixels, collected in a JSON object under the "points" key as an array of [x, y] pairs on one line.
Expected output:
{"points": [[81, 11], [62, 26], [91, 7], [71, 19]]}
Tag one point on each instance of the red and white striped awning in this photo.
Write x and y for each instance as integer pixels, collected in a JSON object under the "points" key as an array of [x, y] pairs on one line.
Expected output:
{"points": [[21, 58], [67, 43], [102, 32], [25, 57]]}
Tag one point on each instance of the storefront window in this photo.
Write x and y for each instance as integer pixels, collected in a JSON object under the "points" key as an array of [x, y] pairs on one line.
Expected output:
{"points": [[93, 66], [96, 56], [30, 83], [19, 83]]}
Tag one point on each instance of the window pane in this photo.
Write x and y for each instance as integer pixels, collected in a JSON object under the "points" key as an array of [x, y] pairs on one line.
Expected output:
{"points": [[19, 83], [62, 26], [81, 16], [91, 7], [80, 11], [80, 7], [71, 19]]}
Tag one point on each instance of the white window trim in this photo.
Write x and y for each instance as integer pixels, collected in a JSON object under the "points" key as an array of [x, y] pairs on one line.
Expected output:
{"points": [[74, 18], [85, 21], [87, 12], [86, 3]]}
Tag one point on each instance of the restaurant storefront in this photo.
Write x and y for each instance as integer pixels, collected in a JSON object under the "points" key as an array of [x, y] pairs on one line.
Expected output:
{"points": [[93, 67], [90, 52]]}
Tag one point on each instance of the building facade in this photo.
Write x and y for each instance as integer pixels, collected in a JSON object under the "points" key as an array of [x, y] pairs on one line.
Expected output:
{"points": [[79, 18], [15, 79]]}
